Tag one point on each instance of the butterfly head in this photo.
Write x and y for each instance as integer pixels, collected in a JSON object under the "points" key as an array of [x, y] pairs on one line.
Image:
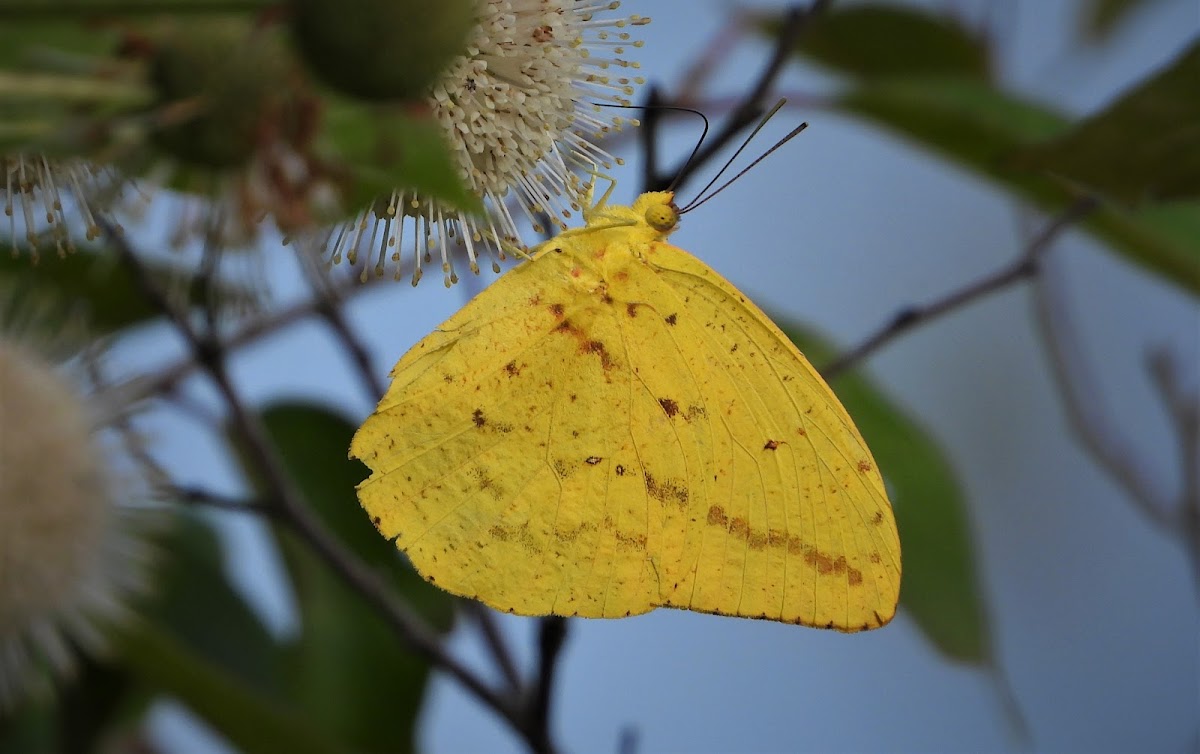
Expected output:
{"points": [[657, 209]]}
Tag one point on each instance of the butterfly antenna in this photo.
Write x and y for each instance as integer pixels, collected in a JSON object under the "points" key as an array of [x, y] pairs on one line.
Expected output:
{"points": [[677, 109], [695, 149], [701, 198]]}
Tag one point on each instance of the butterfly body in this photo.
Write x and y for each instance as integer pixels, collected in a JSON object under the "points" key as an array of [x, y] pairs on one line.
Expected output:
{"points": [[612, 427]]}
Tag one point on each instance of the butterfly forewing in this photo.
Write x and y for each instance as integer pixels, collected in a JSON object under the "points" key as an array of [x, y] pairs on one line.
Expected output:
{"points": [[796, 502]]}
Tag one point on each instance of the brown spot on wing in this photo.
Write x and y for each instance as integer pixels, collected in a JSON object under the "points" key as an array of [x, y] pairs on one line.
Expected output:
{"points": [[864, 465], [739, 527], [666, 491], [631, 310], [827, 565], [593, 460], [557, 310], [519, 534], [486, 484], [670, 319], [771, 445], [669, 406], [717, 517], [630, 541], [596, 347], [561, 469], [512, 369], [823, 563], [478, 417]]}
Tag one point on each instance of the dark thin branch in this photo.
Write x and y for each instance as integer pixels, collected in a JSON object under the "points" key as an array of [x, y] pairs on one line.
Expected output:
{"points": [[552, 633], [200, 496], [328, 305], [167, 379], [286, 498], [750, 108], [1183, 407], [494, 641], [1024, 267], [1104, 438], [647, 135]]}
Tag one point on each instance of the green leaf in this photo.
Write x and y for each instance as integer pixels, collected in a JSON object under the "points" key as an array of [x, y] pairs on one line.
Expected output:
{"points": [[82, 11], [195, 601], [349, 670], [1144, 146], [31, 726], [94, 284], [886, 40], [31, 39], [940, 589], [92, 706], [974, 125], [253, 723], [390, 150]]}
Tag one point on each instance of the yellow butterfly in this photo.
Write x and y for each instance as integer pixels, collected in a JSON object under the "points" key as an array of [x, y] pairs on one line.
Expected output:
{"points": [[612, 427]]}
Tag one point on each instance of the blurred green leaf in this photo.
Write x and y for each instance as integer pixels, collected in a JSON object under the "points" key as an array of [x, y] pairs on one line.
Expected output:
{"points": [[389, 150], [886, 40], [92, 283], [30, 727], [349, 670], [47, 41], [92, 705], [940, 588], [253, 723], [100, 701], [980, 128], [1144, 146], [195, 601], [82, 11]]}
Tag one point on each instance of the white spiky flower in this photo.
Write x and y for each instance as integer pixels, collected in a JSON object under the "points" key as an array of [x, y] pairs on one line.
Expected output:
{"points": [[521, 113], [69, 555], [39, 192]]}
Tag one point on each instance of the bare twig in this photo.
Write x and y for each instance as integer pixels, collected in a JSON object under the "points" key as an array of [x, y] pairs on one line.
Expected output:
{"points": [[286, 498], [552, 633], [169, 377], [1024, 267], [1104, 438], [697, 75], [200, 496], [494, 641], [750, 108], [328, 306]]}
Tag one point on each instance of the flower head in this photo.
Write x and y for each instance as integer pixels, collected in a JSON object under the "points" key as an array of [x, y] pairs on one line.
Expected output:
{"points": [[69, 556], [39, 192], [521, 113]]}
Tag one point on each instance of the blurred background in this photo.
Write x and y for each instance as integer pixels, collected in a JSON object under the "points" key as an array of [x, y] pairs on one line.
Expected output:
{"points": [[1062, 617]]}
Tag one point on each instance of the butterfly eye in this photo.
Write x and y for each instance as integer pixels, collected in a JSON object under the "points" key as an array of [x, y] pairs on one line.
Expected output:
{"points": [[662, 217]]}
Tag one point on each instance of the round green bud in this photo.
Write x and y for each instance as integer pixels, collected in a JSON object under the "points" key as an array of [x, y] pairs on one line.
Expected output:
{"points": [[381, 50]]}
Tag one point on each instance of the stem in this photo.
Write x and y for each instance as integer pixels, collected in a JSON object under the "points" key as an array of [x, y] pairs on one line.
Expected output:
{"points": [[1025, 266]]}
